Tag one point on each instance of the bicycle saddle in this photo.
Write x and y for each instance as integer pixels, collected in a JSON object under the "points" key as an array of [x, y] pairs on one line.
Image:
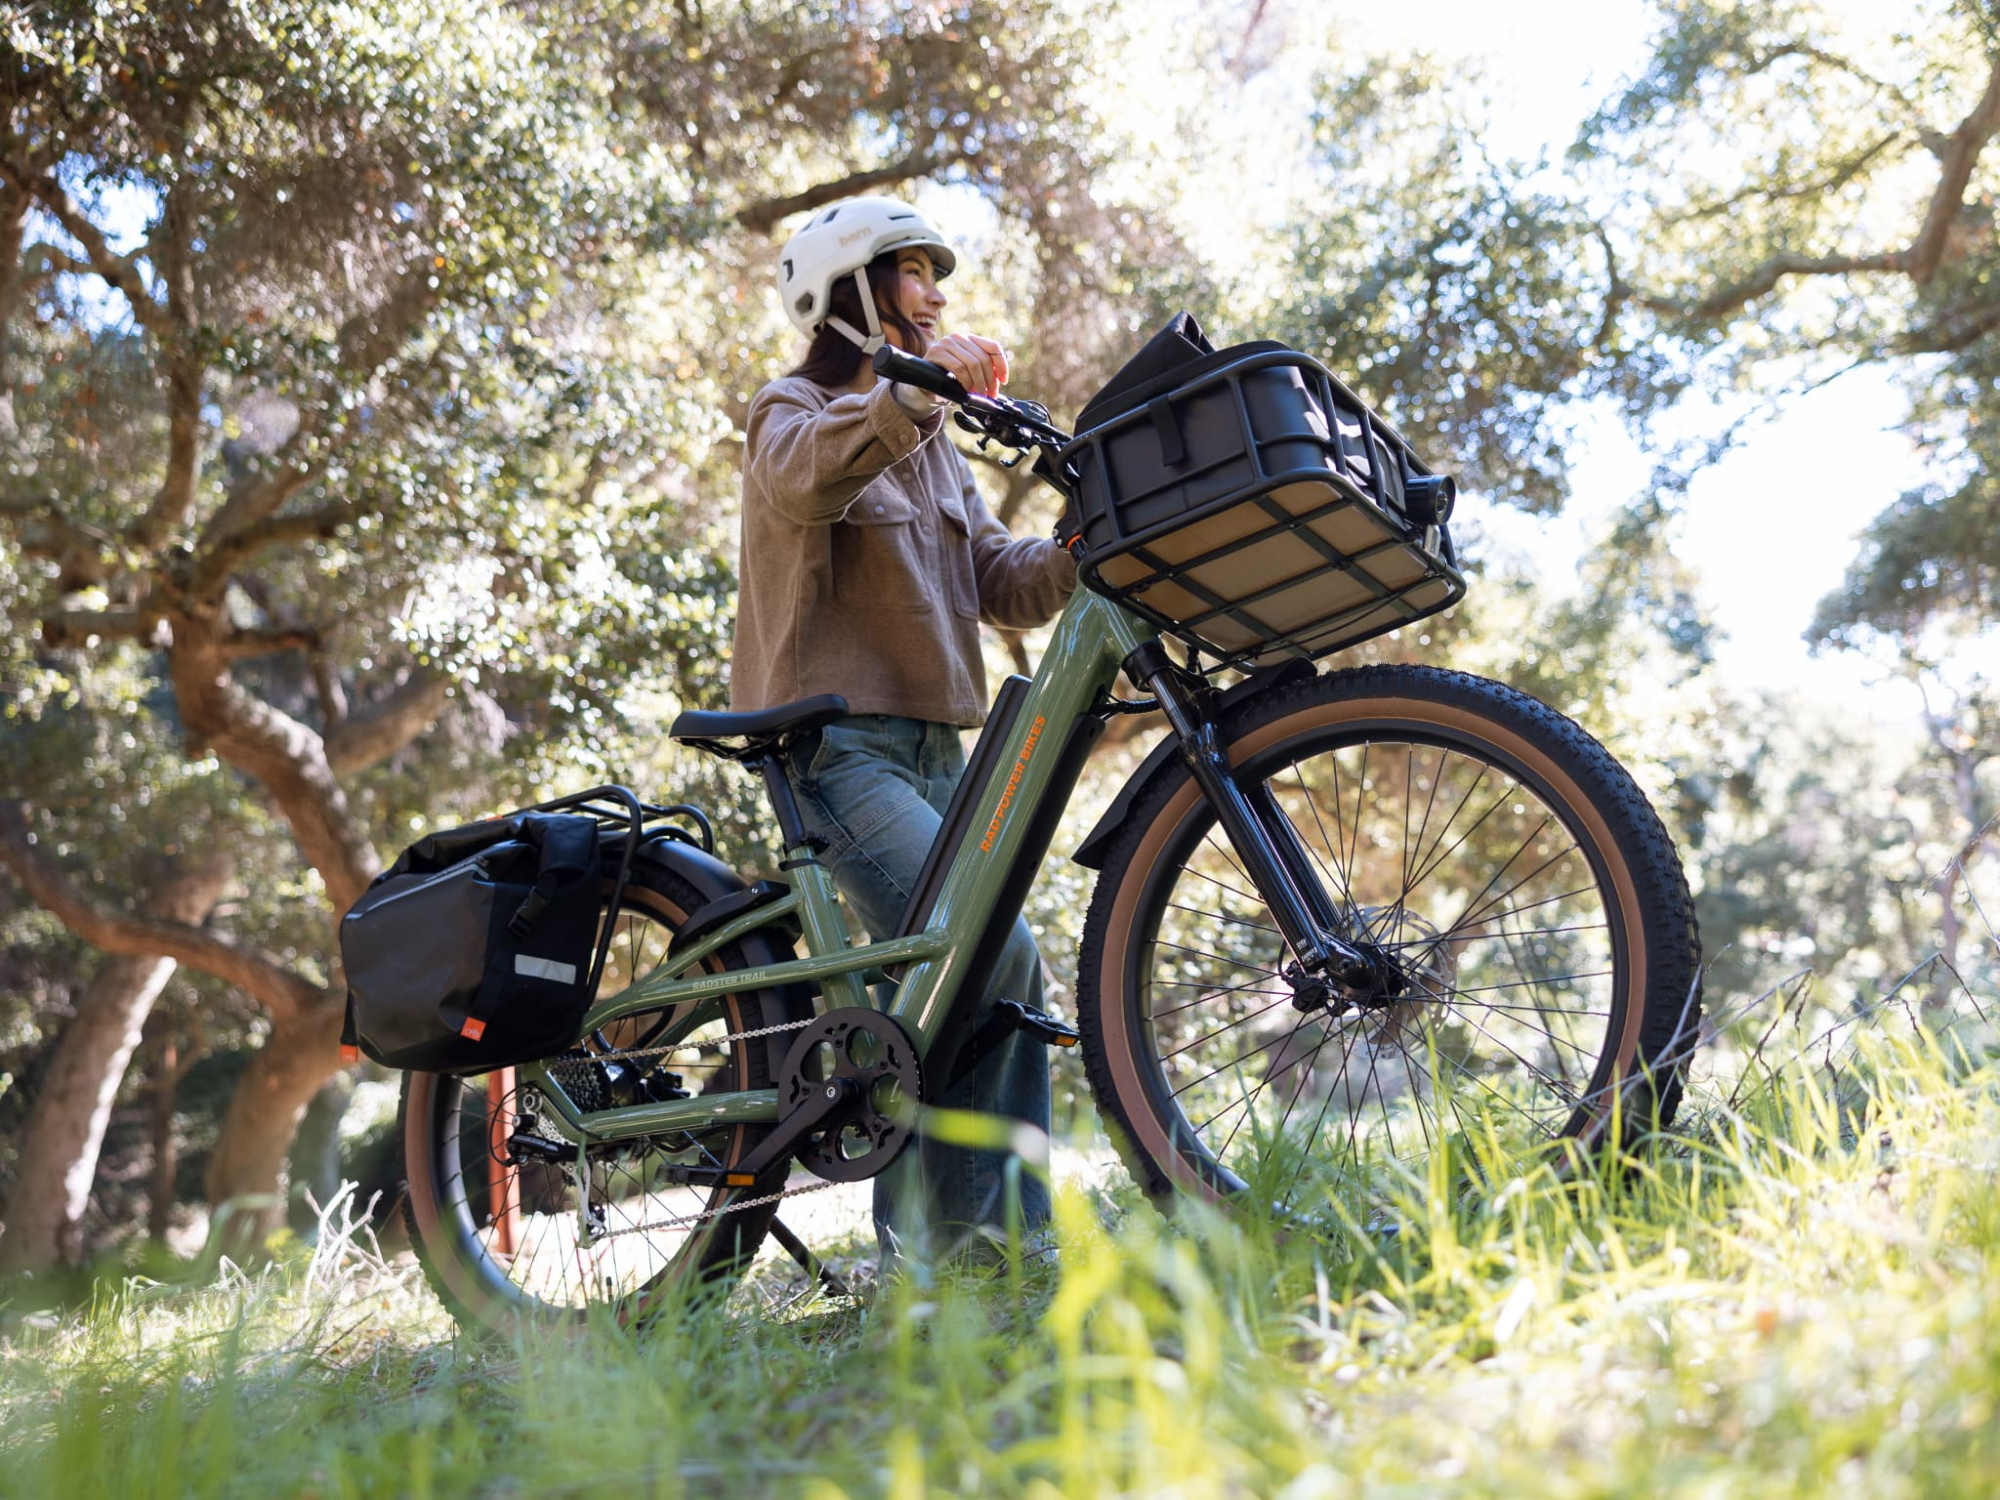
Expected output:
{"points": [[761, 731]]}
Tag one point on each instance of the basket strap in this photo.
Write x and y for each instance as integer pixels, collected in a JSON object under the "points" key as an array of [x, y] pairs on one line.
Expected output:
{"points": [[1173, 447]]}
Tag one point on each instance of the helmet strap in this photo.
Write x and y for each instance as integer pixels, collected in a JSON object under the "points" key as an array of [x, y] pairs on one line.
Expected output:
{"points": [[873, 339]]}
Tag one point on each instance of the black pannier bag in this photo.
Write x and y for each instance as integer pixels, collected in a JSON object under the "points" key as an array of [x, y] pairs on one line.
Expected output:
{"points": [[1246, 501], [475, 949]]}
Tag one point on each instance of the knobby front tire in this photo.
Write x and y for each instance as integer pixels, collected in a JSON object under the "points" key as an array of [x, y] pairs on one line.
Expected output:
{"points": [[1513, 872], [502, 1245]]}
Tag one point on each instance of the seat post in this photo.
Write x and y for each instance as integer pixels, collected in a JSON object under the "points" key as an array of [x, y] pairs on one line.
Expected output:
{"points": [[778, 787], [820, 916]]}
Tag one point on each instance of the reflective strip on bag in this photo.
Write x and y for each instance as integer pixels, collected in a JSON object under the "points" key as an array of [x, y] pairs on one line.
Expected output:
{"points": [[544, 968]]}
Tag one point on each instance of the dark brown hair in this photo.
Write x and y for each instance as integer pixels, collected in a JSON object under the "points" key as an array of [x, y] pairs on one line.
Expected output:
{"points": [[833, 359]]}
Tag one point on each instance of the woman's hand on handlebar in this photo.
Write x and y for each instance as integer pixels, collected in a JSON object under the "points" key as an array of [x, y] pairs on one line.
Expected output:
{"points": [[980, 365]]}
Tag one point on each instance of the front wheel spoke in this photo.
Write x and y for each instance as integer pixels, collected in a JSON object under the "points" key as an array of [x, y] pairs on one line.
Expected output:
{"points": [[1231, 1026], [1423, 827], [1436, 859], [1208, 996], [1516, 984], [1455, 934], [1448, 1002], [1559, 1086], [1234, 963], [1454, 938], [1536, 1000], [1473, 1078], [1229, 859], [1336, 874], [1265, 1082], [1488, 908], [1479, 902], [1240, 1059], [1225, 918]]}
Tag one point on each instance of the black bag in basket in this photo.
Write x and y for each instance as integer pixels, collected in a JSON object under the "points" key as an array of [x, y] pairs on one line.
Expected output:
{"points": [[474, 950]]}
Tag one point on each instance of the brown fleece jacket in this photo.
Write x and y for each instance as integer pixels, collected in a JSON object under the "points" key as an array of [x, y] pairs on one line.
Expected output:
{"points": [[868, 559]]}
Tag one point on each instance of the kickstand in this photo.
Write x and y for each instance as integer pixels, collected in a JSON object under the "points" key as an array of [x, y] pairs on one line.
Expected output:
{"points": [[815, 1267]]}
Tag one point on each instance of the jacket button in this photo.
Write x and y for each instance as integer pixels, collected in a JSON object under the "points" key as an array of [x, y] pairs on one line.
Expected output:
{"points": [[878, 510]]}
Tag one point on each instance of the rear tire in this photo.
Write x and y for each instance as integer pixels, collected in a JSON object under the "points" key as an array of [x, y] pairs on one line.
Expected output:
{"points": [[1531, 905], [501, 1245]]}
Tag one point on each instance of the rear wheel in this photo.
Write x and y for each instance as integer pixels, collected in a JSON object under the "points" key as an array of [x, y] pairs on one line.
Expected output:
{"points": [[1522, 904], [554, 1240]]}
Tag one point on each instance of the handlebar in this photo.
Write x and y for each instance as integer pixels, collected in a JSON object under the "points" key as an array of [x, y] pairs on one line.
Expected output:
{"points": [[906, 369], [1015, 424]]}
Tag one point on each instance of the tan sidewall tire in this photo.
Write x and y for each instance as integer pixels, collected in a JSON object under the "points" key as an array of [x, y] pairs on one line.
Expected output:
{"points": [[1123, 1048]]}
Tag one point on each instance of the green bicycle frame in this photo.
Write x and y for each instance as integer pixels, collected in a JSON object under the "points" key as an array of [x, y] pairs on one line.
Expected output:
{"points": [[1092, 638]]}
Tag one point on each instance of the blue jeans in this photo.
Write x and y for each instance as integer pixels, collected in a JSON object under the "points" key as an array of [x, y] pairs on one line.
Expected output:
{"points": [[875, 788]]}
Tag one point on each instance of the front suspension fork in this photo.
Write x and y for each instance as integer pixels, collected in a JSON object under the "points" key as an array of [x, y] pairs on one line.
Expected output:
{"points": [[1274, 857]]}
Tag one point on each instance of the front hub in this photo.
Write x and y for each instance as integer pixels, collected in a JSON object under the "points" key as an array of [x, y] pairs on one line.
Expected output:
{"points": [[1373, 980]]}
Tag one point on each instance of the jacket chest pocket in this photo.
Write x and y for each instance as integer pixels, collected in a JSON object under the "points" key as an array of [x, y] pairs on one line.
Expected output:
{"points": [[956, 545], [878, 554]]}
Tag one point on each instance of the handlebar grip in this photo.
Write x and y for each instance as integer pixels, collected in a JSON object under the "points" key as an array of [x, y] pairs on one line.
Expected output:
{"points": [[906, 369]]}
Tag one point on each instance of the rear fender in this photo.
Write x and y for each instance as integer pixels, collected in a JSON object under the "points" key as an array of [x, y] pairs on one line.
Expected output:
{"points": [[770, 944]]}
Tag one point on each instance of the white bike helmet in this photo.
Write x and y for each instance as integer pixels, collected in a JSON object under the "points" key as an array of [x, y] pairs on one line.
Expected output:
{"points": [[840, 241]]}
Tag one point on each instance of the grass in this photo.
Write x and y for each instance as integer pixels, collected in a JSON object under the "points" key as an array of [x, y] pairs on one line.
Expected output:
{"points": [[1800, 1296]]}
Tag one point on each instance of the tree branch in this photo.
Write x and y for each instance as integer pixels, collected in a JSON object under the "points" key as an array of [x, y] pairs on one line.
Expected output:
{"points": [[1958, 155], [247, 643], [1945, 337], [213, 567], [286, 757], [1839, 177], [44, 531], [766, 212], [1961, 153], [378, 731], [1734, 296], [248, 521], [120, 270], [106, 927], [76, 627]]}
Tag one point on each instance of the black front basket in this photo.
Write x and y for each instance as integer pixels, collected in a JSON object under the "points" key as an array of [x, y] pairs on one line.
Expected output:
{"points": [[1258, 509]]}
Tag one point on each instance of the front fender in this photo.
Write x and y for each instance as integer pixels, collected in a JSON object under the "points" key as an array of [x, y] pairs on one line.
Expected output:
{"points": [[1097, 843]]}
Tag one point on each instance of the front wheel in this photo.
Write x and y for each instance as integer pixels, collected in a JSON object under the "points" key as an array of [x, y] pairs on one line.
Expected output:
{"points": [[1505, 875]]}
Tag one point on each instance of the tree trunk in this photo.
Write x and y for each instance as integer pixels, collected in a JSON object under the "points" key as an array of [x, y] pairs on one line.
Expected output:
{"points": [[316, 1152], [246, 1175], [167, 1076], [66, 1123]]}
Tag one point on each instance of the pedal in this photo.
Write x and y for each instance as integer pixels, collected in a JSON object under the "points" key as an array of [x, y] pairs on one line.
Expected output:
{"points": [[1038, 1024], [679, 1176], [1002, 1021]]}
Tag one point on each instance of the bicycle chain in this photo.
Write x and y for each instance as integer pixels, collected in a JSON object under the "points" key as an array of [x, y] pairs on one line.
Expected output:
{"points": [[687, 1220], [734, 1036], [690, 1220]]}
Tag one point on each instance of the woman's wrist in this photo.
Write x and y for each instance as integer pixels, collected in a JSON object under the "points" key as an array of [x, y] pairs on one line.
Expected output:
{"points": [[917, 403]]}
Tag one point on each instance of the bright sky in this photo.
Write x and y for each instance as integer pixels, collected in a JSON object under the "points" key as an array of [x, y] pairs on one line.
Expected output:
{"points": [[1771, 527]]}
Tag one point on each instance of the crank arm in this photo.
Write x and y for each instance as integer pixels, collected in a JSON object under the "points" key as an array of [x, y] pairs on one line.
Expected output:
{"points": [[833, 1098]]}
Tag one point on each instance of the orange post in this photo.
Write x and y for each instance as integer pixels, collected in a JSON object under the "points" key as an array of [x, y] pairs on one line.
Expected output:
{"points": [[503, 1182]]}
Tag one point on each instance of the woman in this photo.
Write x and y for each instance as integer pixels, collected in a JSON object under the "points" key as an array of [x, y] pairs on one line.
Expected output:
{"points": [[868, 561]]}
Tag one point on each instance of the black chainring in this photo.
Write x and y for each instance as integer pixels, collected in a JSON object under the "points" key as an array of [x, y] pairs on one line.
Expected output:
{"points": [[873, 1050]]}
